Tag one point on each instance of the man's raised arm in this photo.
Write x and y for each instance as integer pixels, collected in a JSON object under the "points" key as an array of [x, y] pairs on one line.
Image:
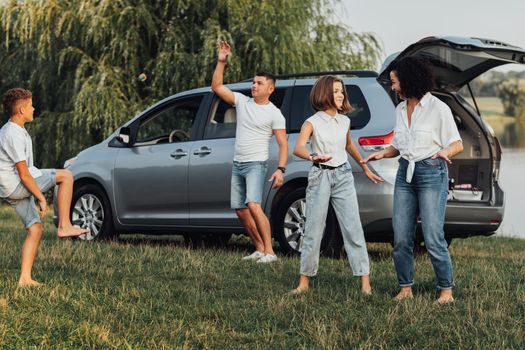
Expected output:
{"points": [[217, 86]]}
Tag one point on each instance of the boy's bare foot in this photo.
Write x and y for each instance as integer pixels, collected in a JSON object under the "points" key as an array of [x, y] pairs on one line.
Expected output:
{"points": [[28, 283], [298, 290], [445, 297], [404, 293], [71, 231], [366, 290]]}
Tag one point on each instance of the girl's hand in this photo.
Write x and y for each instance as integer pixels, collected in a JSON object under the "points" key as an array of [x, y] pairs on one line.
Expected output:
{"points": [[321, 158], [373, 177]]}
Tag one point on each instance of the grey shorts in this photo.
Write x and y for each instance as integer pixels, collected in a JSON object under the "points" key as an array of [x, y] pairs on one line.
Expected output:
{"points": [[24, 202]]}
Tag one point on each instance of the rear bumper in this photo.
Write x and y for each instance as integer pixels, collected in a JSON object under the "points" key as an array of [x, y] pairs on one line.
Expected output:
{"points": [[461, 220]]}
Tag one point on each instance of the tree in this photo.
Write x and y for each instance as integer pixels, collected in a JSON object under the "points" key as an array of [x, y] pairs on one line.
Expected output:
{"points": [[512, 95], [82, 58]]}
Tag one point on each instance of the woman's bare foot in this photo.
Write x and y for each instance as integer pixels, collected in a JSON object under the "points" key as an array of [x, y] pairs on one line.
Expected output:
{"points": [[404, 293], [445, 297], [366, 288], [71, 231], [28, 282]]}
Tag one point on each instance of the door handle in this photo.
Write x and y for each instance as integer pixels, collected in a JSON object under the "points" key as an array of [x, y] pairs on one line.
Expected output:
{"points": [[202, 151], [179, 153]]}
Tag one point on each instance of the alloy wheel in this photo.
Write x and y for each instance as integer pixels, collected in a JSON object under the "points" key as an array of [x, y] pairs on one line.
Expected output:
{"points": [[294, 222], [88, 213]]}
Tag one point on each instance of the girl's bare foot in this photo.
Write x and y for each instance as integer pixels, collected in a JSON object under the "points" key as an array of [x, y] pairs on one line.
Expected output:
{"points": [[366, 288], [71, 231], [404, 293], [304, 281], [23, 282]]}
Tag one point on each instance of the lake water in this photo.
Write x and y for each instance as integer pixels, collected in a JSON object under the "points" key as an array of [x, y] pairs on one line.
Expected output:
{"points": [[512, 176], [512, 180]]}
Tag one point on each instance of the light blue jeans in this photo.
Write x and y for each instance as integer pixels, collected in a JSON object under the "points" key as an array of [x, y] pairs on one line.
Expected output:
{"points": [[426, 195], [337, 187]]}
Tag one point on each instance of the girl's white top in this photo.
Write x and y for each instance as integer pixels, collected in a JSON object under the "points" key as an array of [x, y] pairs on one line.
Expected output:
{"points": [[329, 136]]}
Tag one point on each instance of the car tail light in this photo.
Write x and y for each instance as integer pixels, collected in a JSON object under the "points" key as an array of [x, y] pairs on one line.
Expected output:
{"points": [[376, 143]]}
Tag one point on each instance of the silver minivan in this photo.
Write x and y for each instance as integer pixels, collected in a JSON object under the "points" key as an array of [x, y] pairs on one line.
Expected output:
{"points": [[168, 169]]}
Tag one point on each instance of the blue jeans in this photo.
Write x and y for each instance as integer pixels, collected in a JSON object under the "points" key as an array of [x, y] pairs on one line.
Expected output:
{"points": [[426, 195], [337, 187], [247, 183]]}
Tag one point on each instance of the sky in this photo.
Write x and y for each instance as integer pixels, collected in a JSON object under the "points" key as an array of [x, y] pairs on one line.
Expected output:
{"points": [[403, 22]]}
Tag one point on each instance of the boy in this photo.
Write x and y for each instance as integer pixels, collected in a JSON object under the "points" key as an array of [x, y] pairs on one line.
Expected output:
{"points": [[21, 182]]}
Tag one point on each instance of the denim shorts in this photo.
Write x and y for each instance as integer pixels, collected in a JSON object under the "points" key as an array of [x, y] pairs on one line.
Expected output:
{"points": [[247, 183], [24, 202]]}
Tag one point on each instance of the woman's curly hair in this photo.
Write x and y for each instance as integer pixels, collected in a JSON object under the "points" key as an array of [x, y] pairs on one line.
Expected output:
{"points": [[416, 76]]}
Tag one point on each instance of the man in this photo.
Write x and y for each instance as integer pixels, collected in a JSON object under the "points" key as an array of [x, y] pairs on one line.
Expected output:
{"points": [[21, 182], [257, 120]]}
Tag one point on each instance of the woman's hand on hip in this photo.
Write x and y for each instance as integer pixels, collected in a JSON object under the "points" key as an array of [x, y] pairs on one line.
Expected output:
{"points": [[443, 154]]}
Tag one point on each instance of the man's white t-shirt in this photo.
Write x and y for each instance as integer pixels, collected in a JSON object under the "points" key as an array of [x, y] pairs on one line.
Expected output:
{"points": [[15, 146], [255, 125]]}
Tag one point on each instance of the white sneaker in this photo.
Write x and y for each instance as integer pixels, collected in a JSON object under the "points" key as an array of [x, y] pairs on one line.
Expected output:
{"points": [[268, 258], [256, 255]]}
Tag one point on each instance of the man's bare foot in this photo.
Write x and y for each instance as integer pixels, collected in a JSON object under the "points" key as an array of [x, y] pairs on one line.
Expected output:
{"points": [[71, 231], [298, 290], [404, 293], [445, 297], [28, 283]]}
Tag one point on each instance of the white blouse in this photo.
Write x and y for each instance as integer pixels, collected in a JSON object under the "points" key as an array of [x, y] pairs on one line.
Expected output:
{"points": [[329, 136], [432, 128]]}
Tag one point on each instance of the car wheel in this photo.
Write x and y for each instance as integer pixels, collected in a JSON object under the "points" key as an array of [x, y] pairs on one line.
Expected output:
{"points": [[290, 224], [199, 240], [90, 209]]}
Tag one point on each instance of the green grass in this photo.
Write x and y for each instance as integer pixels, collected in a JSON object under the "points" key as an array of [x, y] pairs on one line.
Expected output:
{"points": [[155, 293]]}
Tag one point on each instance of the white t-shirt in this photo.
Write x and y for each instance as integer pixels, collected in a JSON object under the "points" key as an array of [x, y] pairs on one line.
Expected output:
{"points": [[432, 128], [15, 146], [329, 136], [255, 125]]}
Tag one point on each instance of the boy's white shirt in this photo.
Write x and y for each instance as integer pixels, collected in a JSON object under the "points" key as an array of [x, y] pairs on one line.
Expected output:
{"points": [[15, 146]]}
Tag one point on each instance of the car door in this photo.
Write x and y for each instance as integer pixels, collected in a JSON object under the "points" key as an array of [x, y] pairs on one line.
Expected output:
{"points": [[151, 176]]}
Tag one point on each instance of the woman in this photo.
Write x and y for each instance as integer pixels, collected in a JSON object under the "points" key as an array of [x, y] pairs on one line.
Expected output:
{"points": [[426, 137], [330, 180]]}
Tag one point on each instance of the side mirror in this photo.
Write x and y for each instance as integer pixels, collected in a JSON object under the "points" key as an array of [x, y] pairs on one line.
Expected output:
{"points": [[124, 135]]}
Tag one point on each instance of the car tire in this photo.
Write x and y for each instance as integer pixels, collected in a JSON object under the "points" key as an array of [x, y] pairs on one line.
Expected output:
{"points": [[90, 209], [289, 226]]}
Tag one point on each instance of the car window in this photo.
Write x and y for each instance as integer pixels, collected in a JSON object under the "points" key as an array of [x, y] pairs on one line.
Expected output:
{"points": [[302, 109], [222, 121], [172, 123]]}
